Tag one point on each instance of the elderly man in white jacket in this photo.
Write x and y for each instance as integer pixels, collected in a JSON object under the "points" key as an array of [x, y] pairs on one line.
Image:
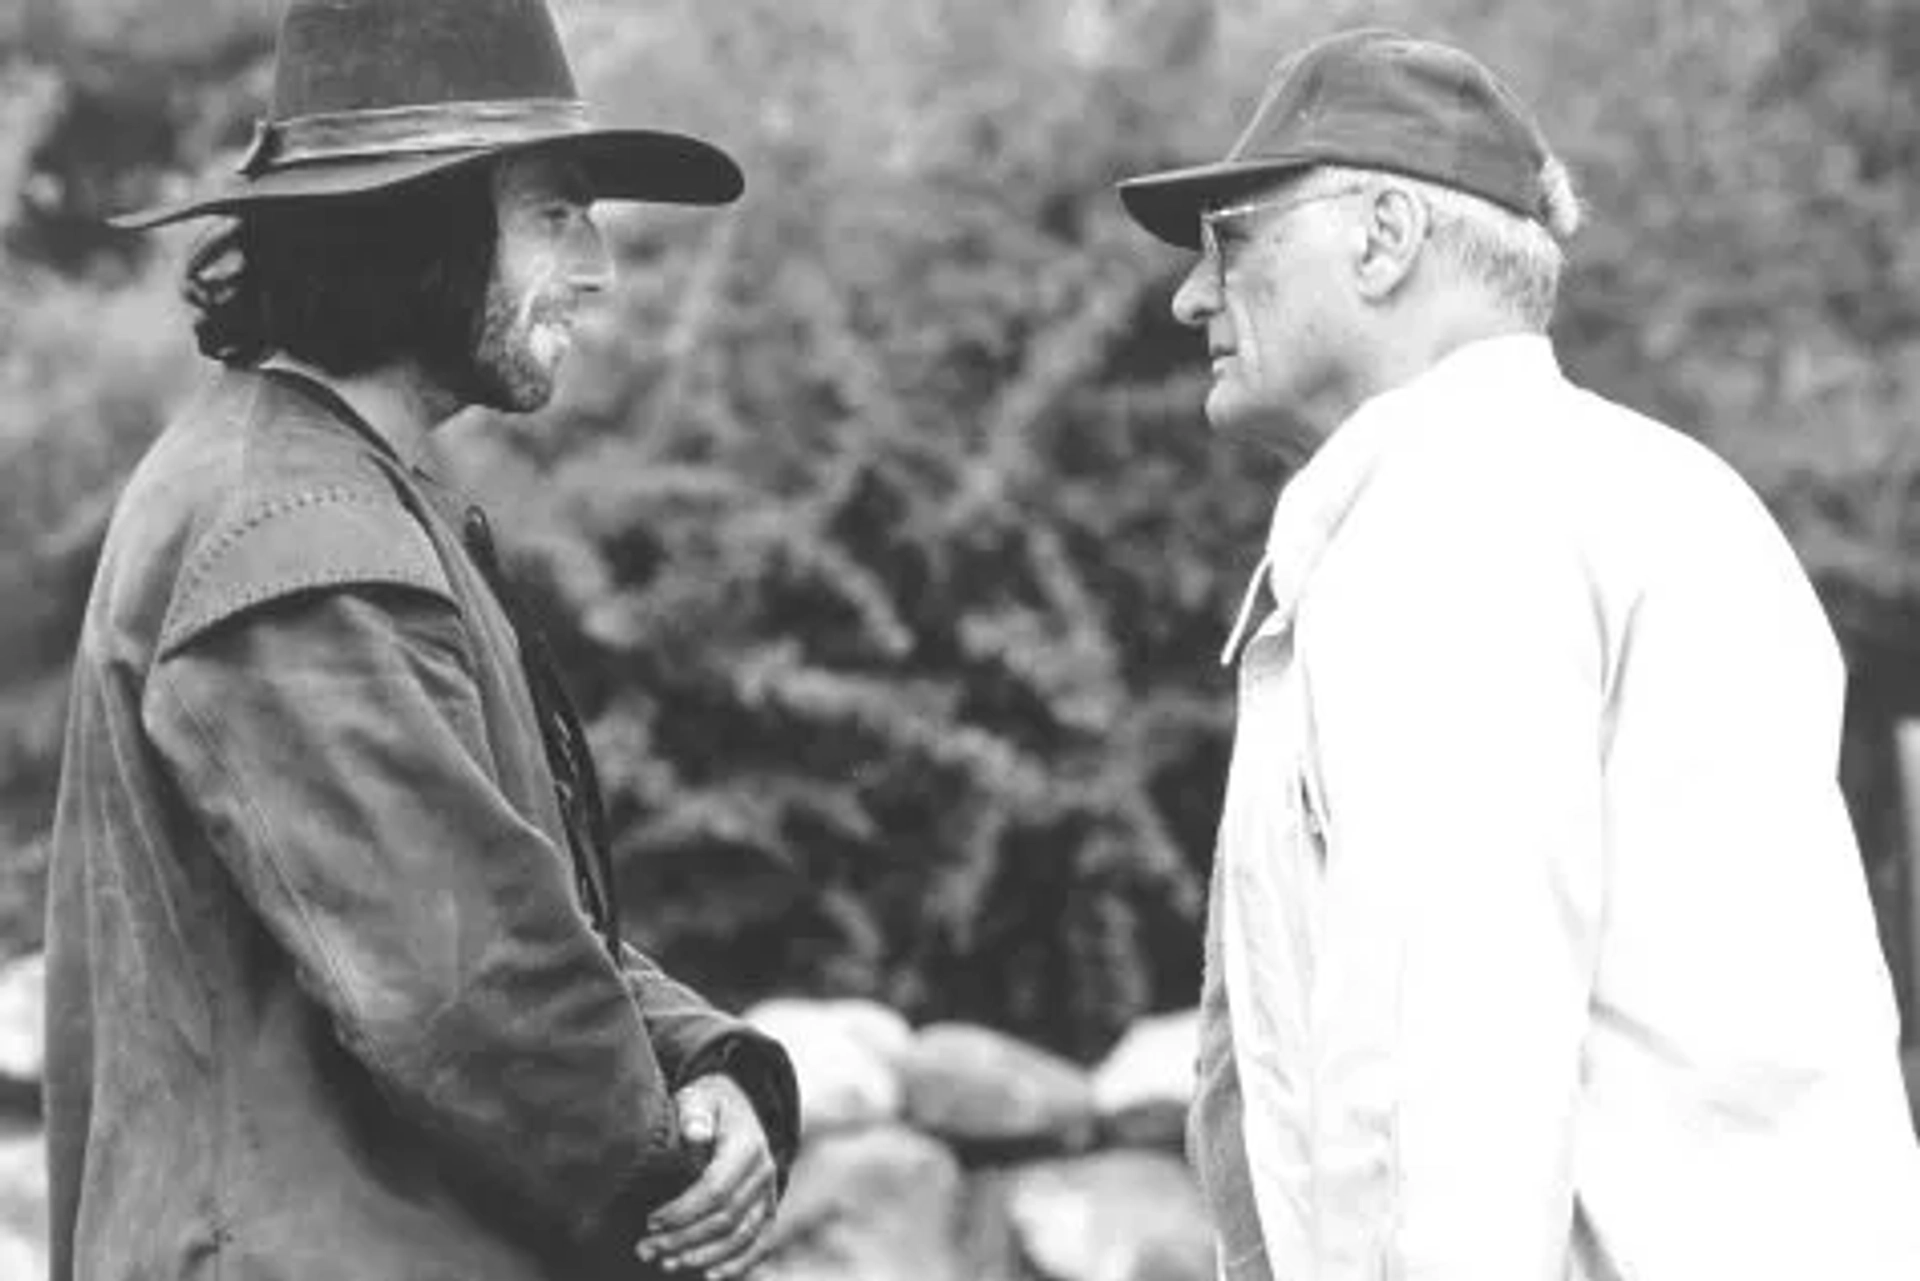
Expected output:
{"points": [[1540, 946]]}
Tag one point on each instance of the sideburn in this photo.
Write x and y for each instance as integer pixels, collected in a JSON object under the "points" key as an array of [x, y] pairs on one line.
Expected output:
{"points": [[454, 306]]}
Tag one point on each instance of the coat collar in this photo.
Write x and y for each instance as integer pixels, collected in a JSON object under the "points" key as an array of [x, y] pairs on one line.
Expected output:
{"points": [[1316, 500]]}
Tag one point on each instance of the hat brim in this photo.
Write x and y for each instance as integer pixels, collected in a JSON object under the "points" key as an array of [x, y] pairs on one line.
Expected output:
{"points": [[619, 164], [1168, 204]]}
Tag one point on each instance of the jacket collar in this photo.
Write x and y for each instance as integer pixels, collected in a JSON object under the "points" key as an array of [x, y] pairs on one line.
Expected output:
{"points": [[1316, 500]]}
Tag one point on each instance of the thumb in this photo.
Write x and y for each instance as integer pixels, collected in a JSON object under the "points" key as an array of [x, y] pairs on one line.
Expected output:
{"points": [[698, 1123]]}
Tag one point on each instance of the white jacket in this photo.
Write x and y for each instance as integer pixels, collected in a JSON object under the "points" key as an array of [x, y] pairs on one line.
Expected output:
{"points": [[1545, 938]]}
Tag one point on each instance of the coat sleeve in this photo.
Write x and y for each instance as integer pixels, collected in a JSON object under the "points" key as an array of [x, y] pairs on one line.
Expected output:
{"points": [[693, 1039], [328, 739], [1454, 681]]}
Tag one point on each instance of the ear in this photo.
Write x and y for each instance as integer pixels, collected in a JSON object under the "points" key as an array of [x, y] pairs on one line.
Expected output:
{"points": [[1395, 228]]}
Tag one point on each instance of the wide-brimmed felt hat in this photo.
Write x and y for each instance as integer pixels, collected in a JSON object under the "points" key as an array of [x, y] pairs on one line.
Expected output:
{"points": [[370, 95], [1371, 99]]}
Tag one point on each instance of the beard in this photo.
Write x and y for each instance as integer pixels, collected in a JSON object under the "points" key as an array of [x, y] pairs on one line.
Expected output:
{"points": [[507, 357]]}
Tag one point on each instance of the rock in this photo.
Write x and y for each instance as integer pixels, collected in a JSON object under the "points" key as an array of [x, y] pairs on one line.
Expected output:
{"points": [[988, 1093], [990, 1249], [877, 1204], [1111, 1216], [878, 1027], [1155, 1127], [1152, 1063], [23, 1205], [21, 1260], [22, 1033], [846, 1055], [1142, 1090]]}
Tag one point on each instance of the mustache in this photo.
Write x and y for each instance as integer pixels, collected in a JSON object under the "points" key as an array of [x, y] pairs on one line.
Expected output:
{"points": [[553, 311]]}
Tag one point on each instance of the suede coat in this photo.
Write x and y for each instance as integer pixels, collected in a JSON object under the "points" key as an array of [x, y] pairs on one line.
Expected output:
{"points": [[323, 998]]}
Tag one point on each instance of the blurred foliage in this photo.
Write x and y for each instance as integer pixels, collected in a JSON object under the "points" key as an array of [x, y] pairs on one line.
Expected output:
{"points": [[878, 524]]}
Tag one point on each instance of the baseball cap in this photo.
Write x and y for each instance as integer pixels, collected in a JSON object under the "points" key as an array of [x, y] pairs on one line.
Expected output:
{"points": [[1373, 99]]}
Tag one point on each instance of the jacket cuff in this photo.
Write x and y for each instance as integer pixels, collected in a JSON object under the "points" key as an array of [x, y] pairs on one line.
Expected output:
{"points": [[759, 1065]]}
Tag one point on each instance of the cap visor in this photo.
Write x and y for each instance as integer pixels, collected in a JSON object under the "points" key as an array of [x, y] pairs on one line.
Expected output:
{"points": [[620, 164], [1168, 203]]}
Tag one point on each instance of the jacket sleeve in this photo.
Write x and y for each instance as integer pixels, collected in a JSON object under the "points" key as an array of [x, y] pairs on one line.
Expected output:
{"points": [[329, 741], [1454, 681], [693, 1039]]}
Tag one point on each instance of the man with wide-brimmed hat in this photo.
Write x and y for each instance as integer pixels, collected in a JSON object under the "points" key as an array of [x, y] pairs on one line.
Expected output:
{"points": [[336, 982], [1539, 944]]}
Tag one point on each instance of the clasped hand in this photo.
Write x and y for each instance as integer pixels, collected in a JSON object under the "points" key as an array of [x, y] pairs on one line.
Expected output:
{"points": [[716, 1225]]}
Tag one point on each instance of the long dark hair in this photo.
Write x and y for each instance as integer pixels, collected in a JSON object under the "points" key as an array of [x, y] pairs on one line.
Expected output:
{"points": [[348, 283]]}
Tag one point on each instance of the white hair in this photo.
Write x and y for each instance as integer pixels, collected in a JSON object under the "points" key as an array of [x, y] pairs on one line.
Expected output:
{"points": [[1517, 259]]}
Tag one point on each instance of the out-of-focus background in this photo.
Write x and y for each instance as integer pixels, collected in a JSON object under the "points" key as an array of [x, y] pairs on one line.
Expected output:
{"points": [[880, 528]]}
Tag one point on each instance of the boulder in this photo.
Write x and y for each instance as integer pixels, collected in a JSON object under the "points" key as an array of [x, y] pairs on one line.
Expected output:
{"points": [[990, 1249], [23, 1008], [21, 1260], [880, 1028], [1111, 1216], [1152, 1063], [989, 1093], [1142, 1089], [846, 1055], [876, 1204], [23, 1204]]}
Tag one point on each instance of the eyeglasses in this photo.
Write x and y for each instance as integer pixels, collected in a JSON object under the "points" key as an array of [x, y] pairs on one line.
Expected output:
{"points": [[1211, 249]]}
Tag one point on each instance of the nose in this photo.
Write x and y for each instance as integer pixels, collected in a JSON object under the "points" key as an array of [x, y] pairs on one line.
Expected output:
{"points": [[1197, 299]]}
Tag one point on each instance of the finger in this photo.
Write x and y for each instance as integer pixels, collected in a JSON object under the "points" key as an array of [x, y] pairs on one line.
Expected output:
{"points": [[709, 1227], [756, 1251], [698, 1123], [726, 1214], [721, 1249], [732, 1247], [737, 1161], [717, 1188]]}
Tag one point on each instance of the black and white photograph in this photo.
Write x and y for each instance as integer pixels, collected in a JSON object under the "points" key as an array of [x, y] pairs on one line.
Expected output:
{"points": [[959, 640]]}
